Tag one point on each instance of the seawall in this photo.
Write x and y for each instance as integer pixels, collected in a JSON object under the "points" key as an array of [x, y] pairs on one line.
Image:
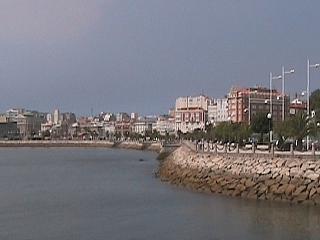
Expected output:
{"points": [[95, 144], [249, 176]]}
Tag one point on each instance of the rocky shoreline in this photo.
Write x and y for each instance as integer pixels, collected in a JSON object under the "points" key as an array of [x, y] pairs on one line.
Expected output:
{"points": [[251, 176], [95, 144]]}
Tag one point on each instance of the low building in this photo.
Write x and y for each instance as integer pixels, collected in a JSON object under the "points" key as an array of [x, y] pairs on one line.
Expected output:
{"points": [[8, 129], [143, 125], [297, 106], [123, 129], [165, 125], [13, 113], [29, 123]]}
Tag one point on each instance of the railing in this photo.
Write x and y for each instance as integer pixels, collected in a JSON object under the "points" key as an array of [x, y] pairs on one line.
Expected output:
{"points": [[232, 148]]}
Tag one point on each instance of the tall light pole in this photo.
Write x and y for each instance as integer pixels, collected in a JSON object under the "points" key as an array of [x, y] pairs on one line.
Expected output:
{"points": [[249, 107], [308, 91], [271, 106], [283, 91]]}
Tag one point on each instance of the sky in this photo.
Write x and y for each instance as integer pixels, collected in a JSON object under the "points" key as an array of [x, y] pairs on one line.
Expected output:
{"points": [[140, 55]]}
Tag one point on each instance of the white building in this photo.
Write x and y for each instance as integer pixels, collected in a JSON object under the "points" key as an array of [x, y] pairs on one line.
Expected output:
{"points": [[46, 126], [165, 125], [140, 127], [56, 116], [49, 118], [134, 116], [191, 113], [218, 111], [144, 124], [107, 117], [13, 113]]}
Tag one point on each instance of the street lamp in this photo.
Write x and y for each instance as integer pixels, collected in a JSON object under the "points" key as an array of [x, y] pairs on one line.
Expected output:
{"points": [[272, 78], [249, 107], [269, 116], [283, 92], [308, 91]]}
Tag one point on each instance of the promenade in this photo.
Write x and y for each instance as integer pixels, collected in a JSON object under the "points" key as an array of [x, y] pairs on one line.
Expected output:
{"points": [[215, 148], [258, 175]]}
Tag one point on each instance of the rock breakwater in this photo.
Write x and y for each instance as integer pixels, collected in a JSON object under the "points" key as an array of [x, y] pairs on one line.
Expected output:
{"points": [[248, 176]]}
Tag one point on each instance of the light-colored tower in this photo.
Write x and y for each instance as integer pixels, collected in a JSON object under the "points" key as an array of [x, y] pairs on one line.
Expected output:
{"points": [[56, 116]]}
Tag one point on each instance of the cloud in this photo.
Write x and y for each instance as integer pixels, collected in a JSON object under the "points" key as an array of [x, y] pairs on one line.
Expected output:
{"points": [[39, 20]]}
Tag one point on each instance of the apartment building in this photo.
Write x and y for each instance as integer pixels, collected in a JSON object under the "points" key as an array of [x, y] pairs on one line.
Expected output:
{"points": [[245, 103], [191, 113], [218, 111]]}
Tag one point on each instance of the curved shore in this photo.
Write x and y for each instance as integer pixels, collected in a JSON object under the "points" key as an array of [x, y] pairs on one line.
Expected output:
{"points": [[249, 176], [95, 144]]}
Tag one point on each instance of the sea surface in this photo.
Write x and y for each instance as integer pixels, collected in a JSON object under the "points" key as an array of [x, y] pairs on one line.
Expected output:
{"points": [[106, 194]]}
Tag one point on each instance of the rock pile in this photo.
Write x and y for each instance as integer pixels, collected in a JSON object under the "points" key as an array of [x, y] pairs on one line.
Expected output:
{"points": [[248, 176]]}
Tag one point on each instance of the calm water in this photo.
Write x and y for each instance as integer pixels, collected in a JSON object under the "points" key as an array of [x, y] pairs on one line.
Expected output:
{"points": [[90, 194]]}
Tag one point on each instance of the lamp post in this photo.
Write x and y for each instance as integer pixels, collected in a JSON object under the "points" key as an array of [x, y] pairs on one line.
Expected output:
{"points": [[283, 91], [271, 103], [270, 79], [249, 107], [269, 116], [309, 66]]}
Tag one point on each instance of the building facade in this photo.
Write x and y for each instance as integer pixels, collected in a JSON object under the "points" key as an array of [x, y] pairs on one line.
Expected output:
{"points": [[165, 125], [245, 103], [8, 130], [297, 106], [29, 123], [218, 111], [191, 113]]}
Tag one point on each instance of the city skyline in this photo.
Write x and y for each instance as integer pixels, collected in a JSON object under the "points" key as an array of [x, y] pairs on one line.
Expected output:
{"points": [[138, 57]]}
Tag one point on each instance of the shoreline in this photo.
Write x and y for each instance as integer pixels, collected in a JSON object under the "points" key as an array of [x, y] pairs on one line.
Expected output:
{"points": [[286, 179], [156, 147]]}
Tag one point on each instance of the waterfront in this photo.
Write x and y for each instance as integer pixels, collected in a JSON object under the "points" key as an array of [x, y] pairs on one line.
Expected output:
{"points": [[82, 193]]}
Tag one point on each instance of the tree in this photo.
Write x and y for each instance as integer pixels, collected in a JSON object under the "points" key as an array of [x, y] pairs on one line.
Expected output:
{"points": [[242, 132], [297, 127], [315, 100], [179, 133], [260, 124], [210, 135], [223, 132], [197, 134], [231, 132]]}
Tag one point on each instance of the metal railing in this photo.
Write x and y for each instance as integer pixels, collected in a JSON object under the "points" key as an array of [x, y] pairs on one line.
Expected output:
{"points": [[232, 148]]}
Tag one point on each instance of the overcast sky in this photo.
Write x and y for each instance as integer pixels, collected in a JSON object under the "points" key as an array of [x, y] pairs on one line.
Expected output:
{"points": [[139, 55]]}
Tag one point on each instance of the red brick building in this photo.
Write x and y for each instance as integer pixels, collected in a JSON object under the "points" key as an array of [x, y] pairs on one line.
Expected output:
{"points": [[245, 103]]}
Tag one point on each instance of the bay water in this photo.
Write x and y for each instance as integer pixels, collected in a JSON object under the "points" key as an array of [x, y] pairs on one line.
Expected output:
{"points": [[95, 194]]}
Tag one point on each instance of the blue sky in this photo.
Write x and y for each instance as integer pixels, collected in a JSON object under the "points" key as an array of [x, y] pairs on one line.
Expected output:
{"points": [[140, 55]]}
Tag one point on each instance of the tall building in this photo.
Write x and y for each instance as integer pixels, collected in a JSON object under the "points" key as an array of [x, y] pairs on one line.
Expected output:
{"points": [[56, 116], [191, 113], [49, 118], [245, 103]]}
